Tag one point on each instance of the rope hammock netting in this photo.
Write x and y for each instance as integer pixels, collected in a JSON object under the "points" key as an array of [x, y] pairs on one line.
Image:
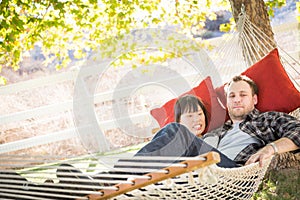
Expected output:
{"points": [[245, 46], [155, 177]]}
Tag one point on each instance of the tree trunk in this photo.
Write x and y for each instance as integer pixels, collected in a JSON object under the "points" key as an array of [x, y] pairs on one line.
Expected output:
{"points": [[258, 15]]}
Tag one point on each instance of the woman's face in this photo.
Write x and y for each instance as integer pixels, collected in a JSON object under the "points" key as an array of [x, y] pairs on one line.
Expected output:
{"points": [[194, 121]]}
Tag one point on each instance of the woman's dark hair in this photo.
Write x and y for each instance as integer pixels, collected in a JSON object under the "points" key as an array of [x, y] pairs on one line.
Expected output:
{"points": [[189, 103]]}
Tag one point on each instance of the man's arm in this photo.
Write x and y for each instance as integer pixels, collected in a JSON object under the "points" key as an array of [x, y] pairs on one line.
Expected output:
{"points": [[281, 146]]}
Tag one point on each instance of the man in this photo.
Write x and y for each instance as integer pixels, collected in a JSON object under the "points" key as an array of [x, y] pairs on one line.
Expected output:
{"points": [[249, 136], [276, 132]]}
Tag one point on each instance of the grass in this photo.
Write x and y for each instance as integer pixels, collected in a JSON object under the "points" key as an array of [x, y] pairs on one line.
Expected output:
{"points": [[281, 184]]}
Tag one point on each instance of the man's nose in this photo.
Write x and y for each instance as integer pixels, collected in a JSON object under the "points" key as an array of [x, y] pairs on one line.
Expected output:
{"points": [[237, 99]]}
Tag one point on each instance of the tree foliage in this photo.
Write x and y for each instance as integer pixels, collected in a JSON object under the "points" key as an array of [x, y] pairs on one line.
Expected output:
{"points": [[80, 26]]}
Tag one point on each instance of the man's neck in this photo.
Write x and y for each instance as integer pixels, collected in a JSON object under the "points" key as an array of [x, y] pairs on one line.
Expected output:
{"points": [[235, 121]]}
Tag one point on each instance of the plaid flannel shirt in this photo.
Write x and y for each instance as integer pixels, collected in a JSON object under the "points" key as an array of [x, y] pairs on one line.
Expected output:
{"points": [[266, 127]]}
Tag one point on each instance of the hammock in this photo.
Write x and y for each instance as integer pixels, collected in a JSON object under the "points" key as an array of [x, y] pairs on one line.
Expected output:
{"points": [[203, 180], [154, 178]]}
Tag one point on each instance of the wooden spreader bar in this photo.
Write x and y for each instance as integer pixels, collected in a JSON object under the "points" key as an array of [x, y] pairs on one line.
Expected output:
{"points": [[191, 165]]}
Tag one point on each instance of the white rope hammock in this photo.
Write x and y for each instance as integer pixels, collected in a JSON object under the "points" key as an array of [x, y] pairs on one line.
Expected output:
{"points": [[153, 178], [202, 182]]}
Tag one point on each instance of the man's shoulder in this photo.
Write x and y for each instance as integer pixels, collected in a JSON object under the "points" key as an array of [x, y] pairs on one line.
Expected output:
{"points": [[270, 114], [271, 118]]}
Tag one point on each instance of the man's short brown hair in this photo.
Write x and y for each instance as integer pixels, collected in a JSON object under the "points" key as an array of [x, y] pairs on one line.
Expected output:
{"points": [[248, 80]]}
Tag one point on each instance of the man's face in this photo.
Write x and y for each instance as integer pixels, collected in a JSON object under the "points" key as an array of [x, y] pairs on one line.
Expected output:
{"points": [[240, 100]]}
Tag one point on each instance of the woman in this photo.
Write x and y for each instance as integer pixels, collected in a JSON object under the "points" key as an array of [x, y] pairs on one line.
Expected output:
{"points": [[191, 119]]}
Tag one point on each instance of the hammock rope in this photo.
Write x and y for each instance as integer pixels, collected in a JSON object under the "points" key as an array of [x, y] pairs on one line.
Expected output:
{"points": [[247, 44]]}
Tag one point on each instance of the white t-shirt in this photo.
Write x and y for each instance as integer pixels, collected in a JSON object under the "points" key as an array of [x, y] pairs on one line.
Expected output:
{"points": [[233, 142]]}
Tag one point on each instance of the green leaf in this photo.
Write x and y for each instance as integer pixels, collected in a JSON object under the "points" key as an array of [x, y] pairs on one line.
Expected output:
{"points": [[156, 20], [3, 80], [225, 27]]}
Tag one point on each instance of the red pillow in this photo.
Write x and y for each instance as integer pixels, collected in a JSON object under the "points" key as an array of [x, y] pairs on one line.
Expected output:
{"points": [[221, 95], [276, 92], [206, 93]]}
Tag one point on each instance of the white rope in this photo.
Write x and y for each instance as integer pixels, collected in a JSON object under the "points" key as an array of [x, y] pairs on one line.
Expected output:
{"points": [[30, 194], [167, 158], [151, 164]]}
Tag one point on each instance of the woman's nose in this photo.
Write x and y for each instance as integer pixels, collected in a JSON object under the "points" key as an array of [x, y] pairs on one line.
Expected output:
{"points": [[196, 118]]}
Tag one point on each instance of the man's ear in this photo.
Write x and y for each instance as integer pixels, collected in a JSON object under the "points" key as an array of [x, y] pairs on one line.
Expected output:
{"points": [[255, 99]]}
